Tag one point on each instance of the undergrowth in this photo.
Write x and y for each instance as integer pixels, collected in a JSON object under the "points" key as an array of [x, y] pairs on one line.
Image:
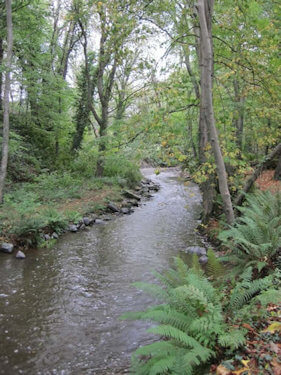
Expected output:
{"points": [[202, 314], [34, 207]]}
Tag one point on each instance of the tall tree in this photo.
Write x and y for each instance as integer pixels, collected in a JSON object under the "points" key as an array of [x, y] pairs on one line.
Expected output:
{"points": [[6, 101], [205, 11]]}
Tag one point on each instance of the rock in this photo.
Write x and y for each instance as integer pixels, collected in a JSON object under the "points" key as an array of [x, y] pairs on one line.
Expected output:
{"points": [[73, 228], [112, 207], [133, 202], [55, 236], [148, 195], [87, 221], [99, 221], [7, 247], [47, 237], [145, 181], [130, 194], [154, 187], [125, 210], [144, 190], [82, 226], [196, 250], [203, 259], [106, 217], [20, 255]]}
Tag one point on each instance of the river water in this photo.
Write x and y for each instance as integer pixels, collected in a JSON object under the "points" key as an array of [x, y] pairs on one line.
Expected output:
{"points": [[59, 307]]}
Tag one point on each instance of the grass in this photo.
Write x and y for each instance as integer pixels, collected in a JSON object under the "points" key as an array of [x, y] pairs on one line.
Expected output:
{"points": [[51, 202]]}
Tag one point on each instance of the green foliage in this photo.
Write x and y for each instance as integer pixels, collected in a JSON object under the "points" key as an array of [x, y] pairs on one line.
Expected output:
{"points": [[247, 288], [255, 238], [73, 216], [54, 219], [85, 160], [191, 323], [118, 165], [214, 266]]}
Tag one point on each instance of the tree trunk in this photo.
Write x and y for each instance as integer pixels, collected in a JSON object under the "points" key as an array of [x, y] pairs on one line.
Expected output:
{"points": [[206, 69], [277, 174], [1, 74], [6, 103], [250, 181], [207, 187]]}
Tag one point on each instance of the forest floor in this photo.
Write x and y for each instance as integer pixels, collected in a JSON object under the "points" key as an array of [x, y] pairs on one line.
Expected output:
{"points": [[263, 346], [266, 182]]}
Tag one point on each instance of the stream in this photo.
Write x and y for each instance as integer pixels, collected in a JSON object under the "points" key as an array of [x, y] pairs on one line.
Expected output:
{"points": [[59, 307]]}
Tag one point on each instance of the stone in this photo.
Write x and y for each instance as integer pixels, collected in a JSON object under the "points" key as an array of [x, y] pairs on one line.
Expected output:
{"points": [[132, 195], [82, 226], [196, 250], [154, 187], [87, 221], [47, 237], [7, 247], [133, 202], [20, 255], [145, 181], [112, 207], [72, 228], [144, 190], [125, 210], [203, 259], [55, 236], [148, 195], [99, 221]]}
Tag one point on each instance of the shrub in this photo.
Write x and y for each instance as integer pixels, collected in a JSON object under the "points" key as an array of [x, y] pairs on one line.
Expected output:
{"points": [[255, 238], [119, 166]]}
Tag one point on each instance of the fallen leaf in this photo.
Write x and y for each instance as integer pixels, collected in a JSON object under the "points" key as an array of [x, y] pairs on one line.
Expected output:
{"points": [[275, 326], [221, 370], [276, 366], [275, 347], [248, 327]]}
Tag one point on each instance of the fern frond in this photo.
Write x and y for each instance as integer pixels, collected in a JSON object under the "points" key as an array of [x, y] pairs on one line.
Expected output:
{"points": [[176, 334], [233, 339], [270, 296], [214, 267]]}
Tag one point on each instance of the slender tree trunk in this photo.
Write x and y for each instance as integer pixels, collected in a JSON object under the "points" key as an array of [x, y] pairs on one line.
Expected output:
{"points": [[276, 152], [205, 13], [207, 187], [1, 74], [6, 104], [277, 174]]}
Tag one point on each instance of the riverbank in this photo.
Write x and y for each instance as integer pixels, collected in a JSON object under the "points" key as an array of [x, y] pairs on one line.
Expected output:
{"points": [[61, 306], [36, 214]]}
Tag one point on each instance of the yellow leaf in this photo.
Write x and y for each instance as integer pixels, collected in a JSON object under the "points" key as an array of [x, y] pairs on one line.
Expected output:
{"points": [[276, 326]]}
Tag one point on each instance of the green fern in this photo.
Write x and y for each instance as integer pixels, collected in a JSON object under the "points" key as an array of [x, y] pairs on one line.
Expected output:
{"points": [[255, 238], [214, 268], [190, 324], [244, 291]]}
